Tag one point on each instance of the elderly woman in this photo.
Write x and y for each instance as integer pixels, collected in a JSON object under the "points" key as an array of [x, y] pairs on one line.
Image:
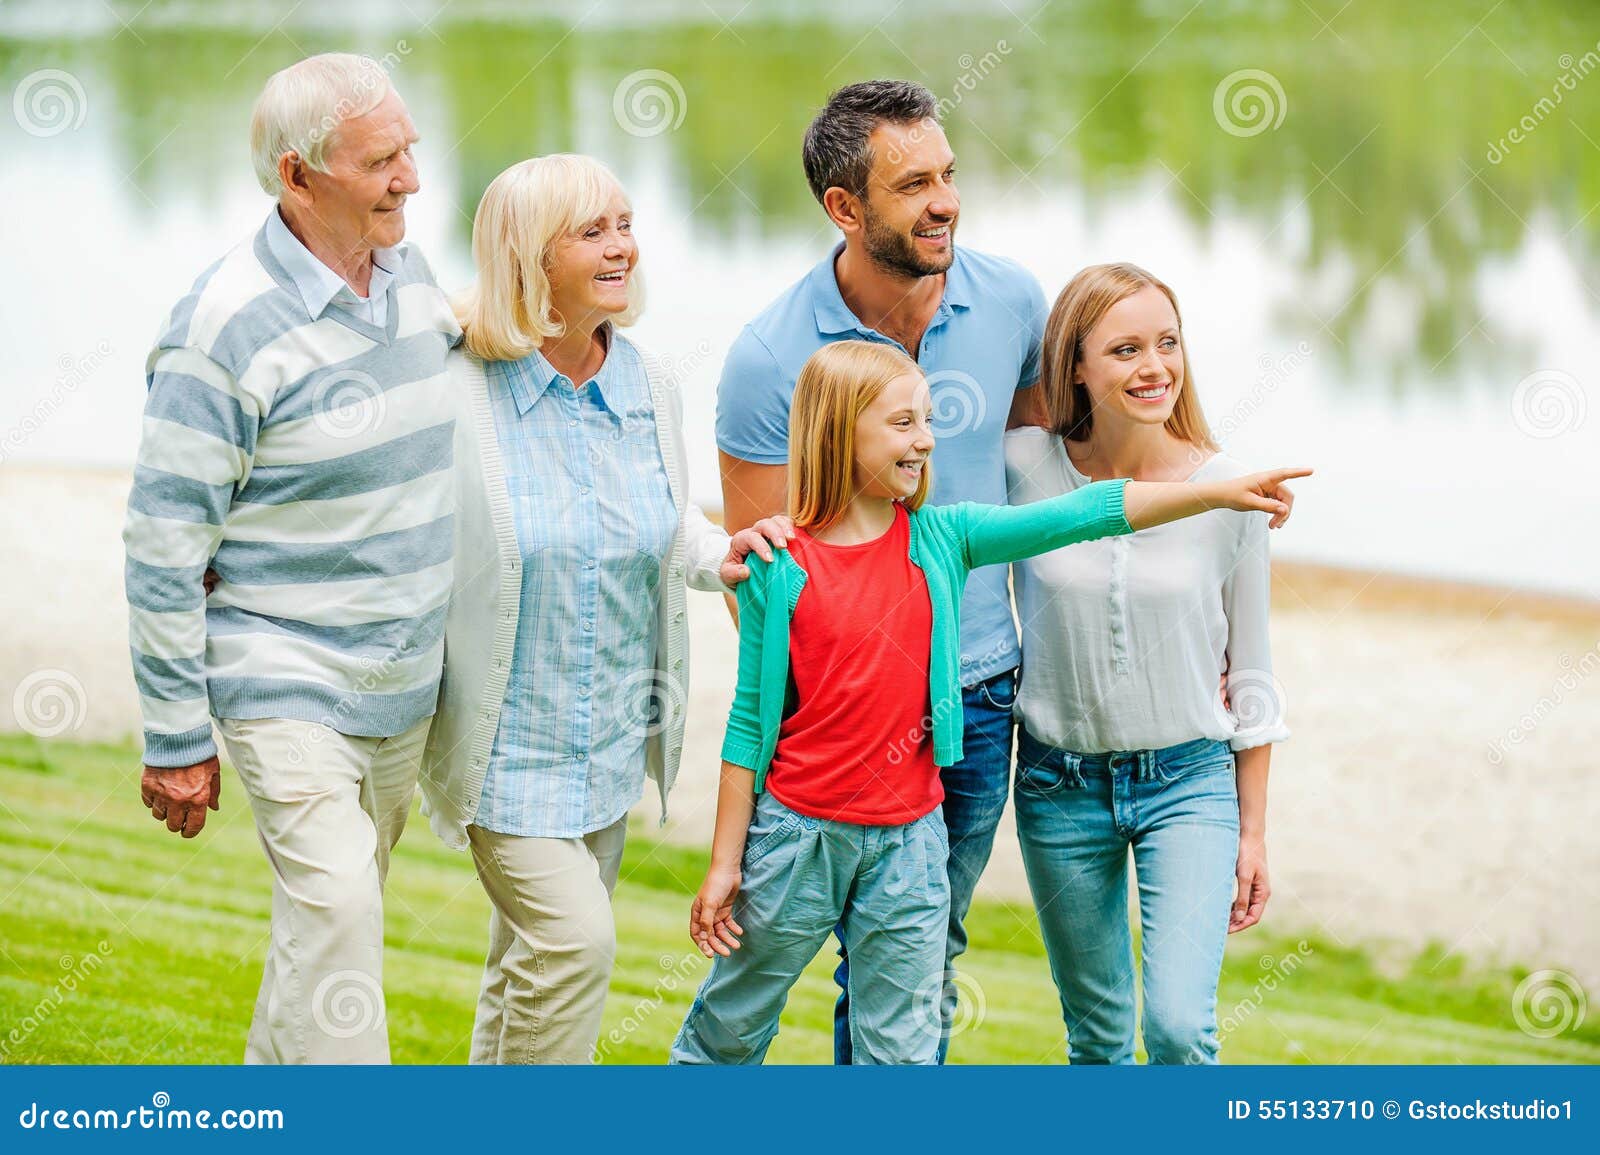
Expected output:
{"points": [[566, 644]]}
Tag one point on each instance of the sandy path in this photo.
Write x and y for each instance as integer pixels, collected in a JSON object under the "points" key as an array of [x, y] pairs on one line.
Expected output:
{"points": [[1390, 819]]}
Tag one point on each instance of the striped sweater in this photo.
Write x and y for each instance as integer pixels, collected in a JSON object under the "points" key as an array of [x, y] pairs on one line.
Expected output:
{"points": [[308, 461]]}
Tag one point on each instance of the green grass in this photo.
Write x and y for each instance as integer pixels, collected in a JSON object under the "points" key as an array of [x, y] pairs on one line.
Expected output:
{"points": [[120, 943]]}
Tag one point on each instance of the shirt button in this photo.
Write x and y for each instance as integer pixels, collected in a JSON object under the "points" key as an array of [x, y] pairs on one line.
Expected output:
{"points": [[583, 755], [678, 665], [584, 489], [572, 421], [588, 563], [966, 661], [588, 626]]}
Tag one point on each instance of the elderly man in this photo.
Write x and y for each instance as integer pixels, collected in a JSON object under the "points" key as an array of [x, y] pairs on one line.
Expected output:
{"points": [[297, 440]]}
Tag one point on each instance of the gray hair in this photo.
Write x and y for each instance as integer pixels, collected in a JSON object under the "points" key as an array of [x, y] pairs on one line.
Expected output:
{"points": [[303, 105], [836, 152]]}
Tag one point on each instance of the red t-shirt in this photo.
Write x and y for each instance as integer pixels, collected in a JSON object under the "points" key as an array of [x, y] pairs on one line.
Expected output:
{"points": [[858, 746]]}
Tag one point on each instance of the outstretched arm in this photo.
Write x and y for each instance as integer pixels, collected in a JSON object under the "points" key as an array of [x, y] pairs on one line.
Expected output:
{"points": [[1150, 503]]}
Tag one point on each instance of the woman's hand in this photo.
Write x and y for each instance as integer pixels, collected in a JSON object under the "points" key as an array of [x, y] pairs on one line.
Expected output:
{"points": [[776, 530], [711, 922], [1250, 873], [1256, 491]]}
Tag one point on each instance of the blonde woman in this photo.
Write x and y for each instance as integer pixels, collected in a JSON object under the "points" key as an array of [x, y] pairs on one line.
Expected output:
{"points": [[566, 644], [829, 808], [1126, 742]]}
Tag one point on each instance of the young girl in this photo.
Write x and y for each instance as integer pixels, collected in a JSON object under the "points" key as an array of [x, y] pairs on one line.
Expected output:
{"points": [[1126, 742], [849, 699]]}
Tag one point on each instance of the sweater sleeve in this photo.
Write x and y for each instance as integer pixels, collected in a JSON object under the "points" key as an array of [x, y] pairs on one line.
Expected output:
{"points": [[741, 744], [997, 534], [198, 442], [1254, 693]]}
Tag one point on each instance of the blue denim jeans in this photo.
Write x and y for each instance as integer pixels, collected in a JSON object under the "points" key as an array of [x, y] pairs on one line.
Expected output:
{"points": [[883, 887], [1078, 815], [974, 797]]}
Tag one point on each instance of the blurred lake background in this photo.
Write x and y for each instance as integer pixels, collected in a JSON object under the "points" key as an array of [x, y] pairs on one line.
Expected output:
{"points": [[1379, 218], [1364, 289]]}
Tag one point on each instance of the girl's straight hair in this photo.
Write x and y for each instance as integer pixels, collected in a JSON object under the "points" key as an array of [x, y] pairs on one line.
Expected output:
{"points": [[1087, 298], [836, 385]]}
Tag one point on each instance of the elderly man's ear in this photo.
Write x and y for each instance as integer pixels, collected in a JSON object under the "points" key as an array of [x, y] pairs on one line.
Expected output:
{"points": [[292, 173]]}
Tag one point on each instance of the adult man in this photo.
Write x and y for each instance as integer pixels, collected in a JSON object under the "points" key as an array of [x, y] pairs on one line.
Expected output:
{"points": [[297, 440], [880, 165]]}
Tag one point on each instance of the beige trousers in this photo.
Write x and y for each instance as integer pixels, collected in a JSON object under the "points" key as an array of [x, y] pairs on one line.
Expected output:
{"points": [[551, 944], [328, 808]]}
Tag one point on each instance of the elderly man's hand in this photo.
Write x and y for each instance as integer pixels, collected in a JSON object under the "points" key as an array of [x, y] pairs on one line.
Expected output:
{"points": [[181, 795], [776, 530]]}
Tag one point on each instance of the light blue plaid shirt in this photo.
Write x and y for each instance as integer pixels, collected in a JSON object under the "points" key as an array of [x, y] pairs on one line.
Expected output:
{"points": [[594, 519]]}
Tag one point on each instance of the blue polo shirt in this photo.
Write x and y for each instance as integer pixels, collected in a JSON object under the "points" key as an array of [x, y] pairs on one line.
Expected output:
{"points": [[980, 348]]}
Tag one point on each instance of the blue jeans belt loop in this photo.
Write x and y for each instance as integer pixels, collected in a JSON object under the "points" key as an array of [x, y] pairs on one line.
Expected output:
{"points": [[1070, 769], [1147, 766]]}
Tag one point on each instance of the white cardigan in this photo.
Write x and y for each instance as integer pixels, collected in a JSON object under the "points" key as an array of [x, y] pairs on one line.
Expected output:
{"points": [[481, 623]]}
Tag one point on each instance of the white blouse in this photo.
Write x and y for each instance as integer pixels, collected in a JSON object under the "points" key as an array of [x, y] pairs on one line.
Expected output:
{"points": [[1124, 640]]}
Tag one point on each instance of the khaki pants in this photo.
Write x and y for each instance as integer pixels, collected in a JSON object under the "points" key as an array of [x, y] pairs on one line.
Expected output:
{"points": [[328, 808], [551, 944]]}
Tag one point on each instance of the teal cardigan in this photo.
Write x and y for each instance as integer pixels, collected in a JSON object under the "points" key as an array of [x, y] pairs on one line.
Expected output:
{"points": [[947, 543]]}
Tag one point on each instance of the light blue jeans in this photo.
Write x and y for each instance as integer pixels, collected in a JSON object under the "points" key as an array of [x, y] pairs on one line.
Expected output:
{"points": [[975, 790], [884, 887], [1078, 815]]}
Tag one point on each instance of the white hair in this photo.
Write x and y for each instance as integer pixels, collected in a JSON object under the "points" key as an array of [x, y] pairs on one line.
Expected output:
{"points": [[302, 106]]}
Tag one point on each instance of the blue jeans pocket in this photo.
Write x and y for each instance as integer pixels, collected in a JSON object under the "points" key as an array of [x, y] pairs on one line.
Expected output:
{"points": [[1211, 758], [773, 822], [1000, 692], [1042, 777]]}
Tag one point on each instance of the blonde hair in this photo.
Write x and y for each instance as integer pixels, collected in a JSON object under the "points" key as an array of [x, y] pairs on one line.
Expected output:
{"points": [[835, 387], [1085, 300], [510, 312], [301, 107]]}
